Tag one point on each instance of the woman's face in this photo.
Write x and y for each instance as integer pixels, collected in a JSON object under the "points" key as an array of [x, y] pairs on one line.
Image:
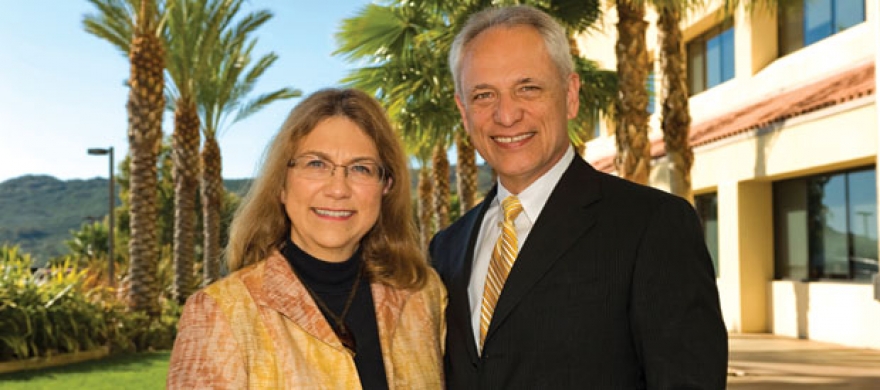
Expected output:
{"points": [[331, 209]]}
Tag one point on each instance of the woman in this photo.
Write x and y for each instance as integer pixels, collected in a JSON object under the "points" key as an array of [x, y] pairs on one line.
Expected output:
{"points": [[329, 288]]}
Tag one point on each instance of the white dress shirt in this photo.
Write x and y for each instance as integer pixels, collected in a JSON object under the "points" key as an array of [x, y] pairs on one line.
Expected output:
{"points": [[533, 199]]}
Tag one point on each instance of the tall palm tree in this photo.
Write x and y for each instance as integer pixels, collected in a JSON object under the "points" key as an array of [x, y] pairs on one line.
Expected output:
{"points": [[673, 64], [676, 117], [193, 31], [146, 102], [425, 190], [466, 171], [440, 163], [633, 147], [233, 73]]}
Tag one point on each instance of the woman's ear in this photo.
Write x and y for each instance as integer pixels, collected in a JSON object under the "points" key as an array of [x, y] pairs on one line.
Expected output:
{"points": [[388, 183]]}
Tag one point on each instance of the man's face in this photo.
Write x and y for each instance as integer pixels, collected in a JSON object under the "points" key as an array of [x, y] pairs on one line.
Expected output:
{"points": [[514, 103]]}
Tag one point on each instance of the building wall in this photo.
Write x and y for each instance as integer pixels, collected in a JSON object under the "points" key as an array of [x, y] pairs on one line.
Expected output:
{"points": [[841, 313], [741, 170]]}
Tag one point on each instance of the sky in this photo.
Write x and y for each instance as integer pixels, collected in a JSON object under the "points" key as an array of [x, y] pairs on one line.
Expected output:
{"points": [[62, 91]]}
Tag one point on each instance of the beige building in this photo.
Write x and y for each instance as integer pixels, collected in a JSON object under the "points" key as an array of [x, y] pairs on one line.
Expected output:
{"points": [[785, 136]]}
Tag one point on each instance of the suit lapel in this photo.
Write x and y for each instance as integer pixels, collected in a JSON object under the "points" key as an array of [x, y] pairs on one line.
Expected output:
{"points": [[565, 218]]}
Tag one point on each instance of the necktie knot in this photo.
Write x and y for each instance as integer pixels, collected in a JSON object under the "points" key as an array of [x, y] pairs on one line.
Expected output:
{"points": [[512, 208]]}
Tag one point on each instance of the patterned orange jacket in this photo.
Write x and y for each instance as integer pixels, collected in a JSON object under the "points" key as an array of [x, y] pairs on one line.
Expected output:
{"points": [[258, 328]]}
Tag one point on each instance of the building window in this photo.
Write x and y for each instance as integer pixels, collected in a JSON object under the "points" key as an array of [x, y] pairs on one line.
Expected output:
{"points": [[652, 90], [826, 226], [710, 58], [804, 22], [707, 209], [596, 127]]}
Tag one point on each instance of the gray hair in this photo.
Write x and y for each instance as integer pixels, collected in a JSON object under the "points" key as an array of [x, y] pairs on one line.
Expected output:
{"points": [[555, 38]]}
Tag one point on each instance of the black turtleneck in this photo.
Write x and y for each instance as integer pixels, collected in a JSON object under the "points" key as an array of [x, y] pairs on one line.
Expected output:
{"points": [[332, 282]]}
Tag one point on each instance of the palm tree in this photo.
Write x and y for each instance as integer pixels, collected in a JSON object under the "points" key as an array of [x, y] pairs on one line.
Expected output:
{"points": [[633, 148], [425, 198], [676, 112], [193, 29], [232, 75], [440, 163], [676, 115], [466, 175], [138, 34]]}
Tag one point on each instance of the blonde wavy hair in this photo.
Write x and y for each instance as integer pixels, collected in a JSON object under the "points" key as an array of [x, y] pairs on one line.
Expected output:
{"points": [[390, 249]]}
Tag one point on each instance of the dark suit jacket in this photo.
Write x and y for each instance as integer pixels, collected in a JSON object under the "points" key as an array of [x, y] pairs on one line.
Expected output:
{"points": [[613, 289]]}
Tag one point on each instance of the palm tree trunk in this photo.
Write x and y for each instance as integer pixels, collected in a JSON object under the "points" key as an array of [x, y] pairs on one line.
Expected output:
{"points": [[440, 162], [676, 113], [185, 150], [426, 202], [212, 204], [146, 102], [466, 175], [633, 149]]}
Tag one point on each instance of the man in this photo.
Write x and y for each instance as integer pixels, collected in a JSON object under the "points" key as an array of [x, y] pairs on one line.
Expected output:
{"points": [[564, 277]]}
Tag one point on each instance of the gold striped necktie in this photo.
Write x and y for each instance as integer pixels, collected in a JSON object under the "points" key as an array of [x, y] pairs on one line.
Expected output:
{"points": [[502, 260]]}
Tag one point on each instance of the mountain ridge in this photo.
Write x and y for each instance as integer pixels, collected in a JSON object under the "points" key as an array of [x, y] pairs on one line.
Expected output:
{"points": [[38, 212]]}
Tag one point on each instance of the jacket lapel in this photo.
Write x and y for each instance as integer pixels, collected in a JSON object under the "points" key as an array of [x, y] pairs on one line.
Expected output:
{"points": [[284, 293], [389, 303], [565, 218]]}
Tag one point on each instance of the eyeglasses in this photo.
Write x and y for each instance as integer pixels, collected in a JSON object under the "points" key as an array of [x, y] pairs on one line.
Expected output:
{"points": [[317, 168]]}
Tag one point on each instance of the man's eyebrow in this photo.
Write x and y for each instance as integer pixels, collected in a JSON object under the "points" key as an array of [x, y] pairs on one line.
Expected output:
{"points": [[480, 86], [520, 81]]}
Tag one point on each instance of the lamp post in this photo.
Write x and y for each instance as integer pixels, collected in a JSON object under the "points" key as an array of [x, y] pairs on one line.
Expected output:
{"points": [[112, 205]]}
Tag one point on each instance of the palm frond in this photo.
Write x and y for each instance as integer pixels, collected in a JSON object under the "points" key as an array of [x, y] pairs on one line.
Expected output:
{"points": [[113, 22]]}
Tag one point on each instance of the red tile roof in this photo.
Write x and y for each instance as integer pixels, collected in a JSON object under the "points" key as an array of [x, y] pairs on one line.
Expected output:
{"points": [[849, 84]]}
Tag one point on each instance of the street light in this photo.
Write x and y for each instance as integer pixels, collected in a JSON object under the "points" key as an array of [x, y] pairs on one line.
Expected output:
{"points": [[112, 205]]}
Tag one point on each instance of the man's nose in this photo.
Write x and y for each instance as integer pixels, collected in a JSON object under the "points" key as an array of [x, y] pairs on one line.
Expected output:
{"points": [[508, 110]]}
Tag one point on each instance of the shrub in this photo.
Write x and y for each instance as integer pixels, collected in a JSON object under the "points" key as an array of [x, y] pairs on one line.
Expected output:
{"points": [[63, 309]]}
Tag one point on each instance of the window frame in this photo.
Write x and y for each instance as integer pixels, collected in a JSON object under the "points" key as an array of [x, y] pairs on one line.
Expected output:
{"points": [[699, 45], [706, 206], [791, 19], [807, 208]]}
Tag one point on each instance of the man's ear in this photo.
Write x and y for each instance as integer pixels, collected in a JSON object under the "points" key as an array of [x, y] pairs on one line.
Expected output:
{"points": [[572, 97]]}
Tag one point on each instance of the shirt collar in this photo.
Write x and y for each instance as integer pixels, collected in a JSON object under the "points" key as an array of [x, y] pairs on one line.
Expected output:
{"points": [[535, 196]]}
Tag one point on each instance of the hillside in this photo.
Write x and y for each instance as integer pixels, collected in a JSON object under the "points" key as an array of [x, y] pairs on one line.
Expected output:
{"points": [[38, 212]]}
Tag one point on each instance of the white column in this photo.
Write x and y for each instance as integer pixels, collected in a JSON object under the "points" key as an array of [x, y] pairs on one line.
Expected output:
{"points": [[874, 19]]}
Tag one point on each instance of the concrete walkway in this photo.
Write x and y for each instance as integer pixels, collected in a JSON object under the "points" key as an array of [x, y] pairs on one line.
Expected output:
{"points": [[761, 361]]}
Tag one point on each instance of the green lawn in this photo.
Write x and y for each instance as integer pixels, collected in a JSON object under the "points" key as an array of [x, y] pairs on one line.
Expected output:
{"points": [[137, 371]]}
